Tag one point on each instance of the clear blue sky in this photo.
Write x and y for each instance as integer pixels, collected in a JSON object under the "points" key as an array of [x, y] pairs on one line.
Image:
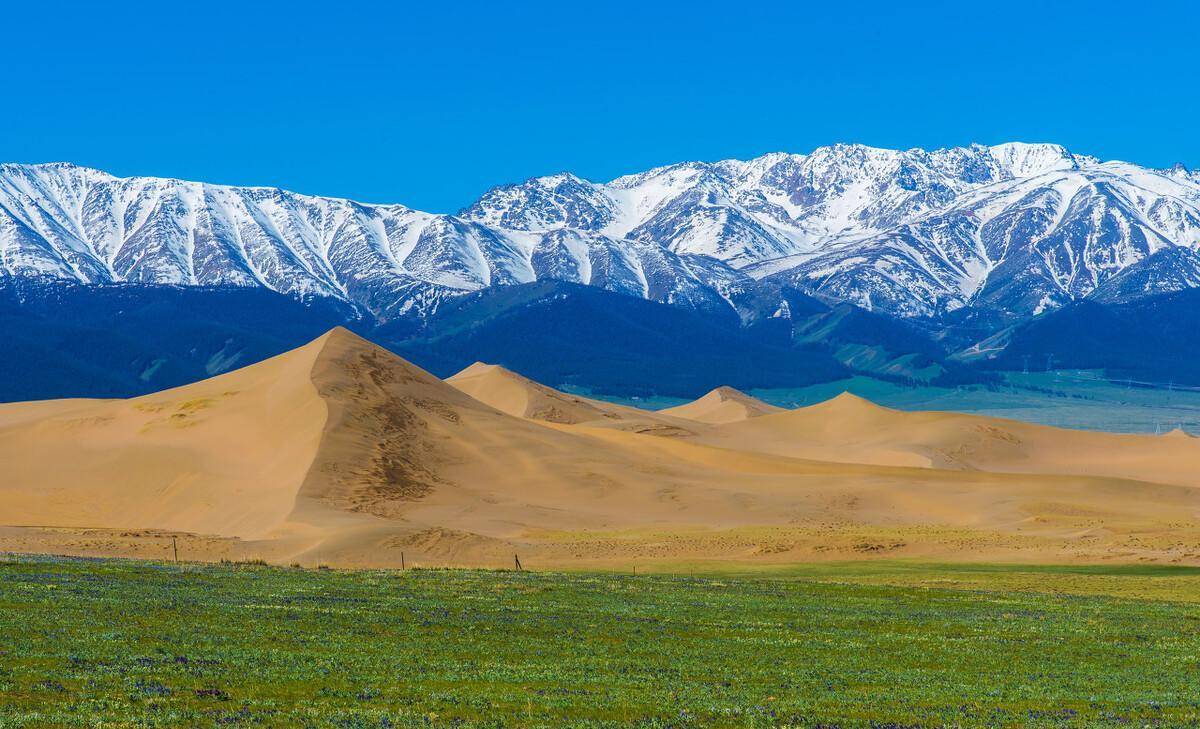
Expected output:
{"points": [[426, 106]]}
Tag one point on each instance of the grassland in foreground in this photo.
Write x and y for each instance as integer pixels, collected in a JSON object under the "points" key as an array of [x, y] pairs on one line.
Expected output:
{"points": [[85, 642]]}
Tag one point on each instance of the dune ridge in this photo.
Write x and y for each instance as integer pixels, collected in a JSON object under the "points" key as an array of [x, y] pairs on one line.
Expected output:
{"points": [[517, 395], [521, 397], [340, 452]]}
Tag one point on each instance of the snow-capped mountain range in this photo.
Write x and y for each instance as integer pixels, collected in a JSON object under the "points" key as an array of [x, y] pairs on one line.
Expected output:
{"points": [[1015, 228]]}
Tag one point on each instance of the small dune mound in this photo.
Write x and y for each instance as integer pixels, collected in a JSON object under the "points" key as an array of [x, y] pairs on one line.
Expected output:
{"points": [[1178, 433], [722, 405], [851, 405]]}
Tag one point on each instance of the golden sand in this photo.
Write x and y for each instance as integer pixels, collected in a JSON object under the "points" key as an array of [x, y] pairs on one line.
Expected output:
{"points": [[342, 453]]}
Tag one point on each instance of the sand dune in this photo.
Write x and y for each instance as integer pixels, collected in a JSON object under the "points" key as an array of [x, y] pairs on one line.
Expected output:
{"points": [[340, 452], [521, 397], [516, 395], [723, 405], [220, 456], [849, 429]]}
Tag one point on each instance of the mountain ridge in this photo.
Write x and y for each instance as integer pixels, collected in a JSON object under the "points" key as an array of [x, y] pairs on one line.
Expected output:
{"points": [[1017, 228]]}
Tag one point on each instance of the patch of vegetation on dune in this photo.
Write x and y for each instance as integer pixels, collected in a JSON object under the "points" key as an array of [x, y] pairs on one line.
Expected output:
{"points": [[145, 644]]}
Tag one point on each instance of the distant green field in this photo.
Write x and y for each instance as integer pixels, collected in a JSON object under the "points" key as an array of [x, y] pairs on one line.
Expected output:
{"points": [[114, 643], [1068, 399]]}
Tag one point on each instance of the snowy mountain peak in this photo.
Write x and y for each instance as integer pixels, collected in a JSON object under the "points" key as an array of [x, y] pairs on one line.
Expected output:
{"points": [[1020, 159], [1179, 171]]}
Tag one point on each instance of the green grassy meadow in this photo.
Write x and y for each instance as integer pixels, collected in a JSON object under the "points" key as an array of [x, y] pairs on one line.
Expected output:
{"points": [[117, 643], [1082, 399]]}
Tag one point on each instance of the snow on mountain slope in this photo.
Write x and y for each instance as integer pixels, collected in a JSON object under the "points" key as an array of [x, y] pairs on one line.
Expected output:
{"points": [[1019, 245], [69, 222], [1016, 227]]}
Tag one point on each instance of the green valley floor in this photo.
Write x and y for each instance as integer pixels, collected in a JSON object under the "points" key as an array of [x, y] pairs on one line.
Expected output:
{"points": [[122, 643]]}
